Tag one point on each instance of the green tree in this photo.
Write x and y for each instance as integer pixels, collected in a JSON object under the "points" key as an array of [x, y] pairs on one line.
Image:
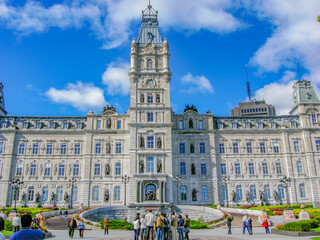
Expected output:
{"points": [[318, 18]]}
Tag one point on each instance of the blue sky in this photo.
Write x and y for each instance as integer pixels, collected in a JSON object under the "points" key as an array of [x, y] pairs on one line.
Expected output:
{"points": [[63, 58]]}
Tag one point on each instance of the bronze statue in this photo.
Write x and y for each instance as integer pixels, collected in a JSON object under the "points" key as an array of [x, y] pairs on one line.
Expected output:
{"points": [[106, 196], [107, 172], [37, 197], [190, 123], [66, 197], [158, 98], [141, 166], [151, 196], [194, 195], [234, 196], [159, 167], [52, 197], [193, 169]]}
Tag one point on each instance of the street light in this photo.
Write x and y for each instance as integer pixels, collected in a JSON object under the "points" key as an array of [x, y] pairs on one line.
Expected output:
{"points": [[125, 180], [177, 179], [73, 180], [225, 180], [15, 183], [285, 181]]}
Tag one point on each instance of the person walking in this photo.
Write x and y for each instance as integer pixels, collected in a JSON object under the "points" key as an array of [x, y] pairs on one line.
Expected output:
{"points": [[229, 221], [26, 233], [180, 227], [72, 224], [174, 225], [245, 223], [59, 214], [65, 215], [106, 226], [250, 226], [81, 228], [136, 227], [16, 222], [3, 214], [143, 227], [187, 227], [166, 227], [2, 237], [265, 224], [160, 226], [150, 221]]}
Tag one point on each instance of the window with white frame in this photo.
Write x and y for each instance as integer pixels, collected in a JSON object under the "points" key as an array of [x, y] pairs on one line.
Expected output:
{"points": [[79, 125], [75, 194], [182, 168], [35, 148], [99, 124], [19, 169], [296, 146], [117, 193], [267, 192], [221, 147], [239, 192], [150, 117], [61, 169], [183, 192], [97, 169], [180, 124], [237, 168], [95, 193], [203, 167], [224, 193], [223, 169], [150, 141], [202, 147], [77, 148], [281, 191], [247, 125], [314, 118], [118, 169], [52, 125], [235, 147], [1, 147], [98, 148], [149, 64], [220, 125], [25, 125], [49, 148], [273, 125], [65, 125], [181, 148], [59, 194], [119, 124], [299, 167], [275, 147], [76, 169], [63, 149], [204, 193], [234, 125], [200, 124], [33, 168], [302, 190], [45, 193], [249, 147], [318, 145], [278, 168], [47, 169], [118, 147], [251, 168], [30, 194], [150, 98], [21, 148], [150, 165], [262, 147], [38, 125], [265, 170], [253, 192]]}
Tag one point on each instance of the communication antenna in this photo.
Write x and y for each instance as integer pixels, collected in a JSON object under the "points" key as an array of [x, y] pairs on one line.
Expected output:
{"points": [[248, 85], [299, 71]]}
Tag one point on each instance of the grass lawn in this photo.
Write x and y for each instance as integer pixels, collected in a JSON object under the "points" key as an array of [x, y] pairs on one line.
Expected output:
{"points": [[7, 233], [315, 229], [316, 238]]}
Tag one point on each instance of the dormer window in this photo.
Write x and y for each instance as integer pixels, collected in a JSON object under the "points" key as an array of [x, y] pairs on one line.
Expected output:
{"points": [[149, 64], [247, 125], [234, 125]]}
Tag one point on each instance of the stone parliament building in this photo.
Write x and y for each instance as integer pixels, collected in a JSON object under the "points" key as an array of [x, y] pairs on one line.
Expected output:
{"points": [[169, 158]]}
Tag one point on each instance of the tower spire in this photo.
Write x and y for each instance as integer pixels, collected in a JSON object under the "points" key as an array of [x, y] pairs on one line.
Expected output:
{"points": [[248, 85]]}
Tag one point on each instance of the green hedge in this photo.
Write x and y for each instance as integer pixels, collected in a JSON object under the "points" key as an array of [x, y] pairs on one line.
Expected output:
{"points": [[301, 226], [197, 225], [118, 224], [8, 226]]}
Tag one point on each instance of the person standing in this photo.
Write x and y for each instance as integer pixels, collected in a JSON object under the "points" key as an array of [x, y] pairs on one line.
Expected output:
{"points": [[187, 227], [180, 227], [250, 226], [150, 220], [106, 226], [2, 237], [26, 233], [160, 227], [229, 221], [3, 214], [81, 228], [136, 228], [245, 223], [265, 224], [72, 224], [174, 225], [16, 222], [166, 227], [65, 215], [143, 227], [59, 214]]}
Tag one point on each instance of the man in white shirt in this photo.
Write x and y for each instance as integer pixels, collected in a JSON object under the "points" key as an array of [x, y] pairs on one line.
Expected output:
{"points": [[245, 223], [150, 220], [16, 222]]}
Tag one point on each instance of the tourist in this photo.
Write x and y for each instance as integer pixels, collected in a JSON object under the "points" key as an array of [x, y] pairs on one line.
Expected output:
{"points": [[150, 220], [2, 237], [143, 227], [174, 225], [265, 224], [187, 227], [72, 224], [250, 226], [3, 214], [180, 227], [81, 228], [166, 227], [106, 226], [16, 222], [229, 221], [160, 226], [136, 227], [65, 215], [245, 223], [26, 233], [41, 219], [59, 214]]}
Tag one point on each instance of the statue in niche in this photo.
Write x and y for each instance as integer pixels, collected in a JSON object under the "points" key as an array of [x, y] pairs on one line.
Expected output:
{"points": [[106, 196], [151, 196], [276, 196], [248, 196], [190, 123], [141, 166], [107, 171], [191, 148], [159, 167], [194, 195], [41, 169], [23, 197], [37, 197], [261, 196], [52, 197], [70, 169], [108, 148], [141, 145], [234, 196], [231, 168], [158, 98], [109, 123], [66, 197], [159, 143], [272, 168], [27, 169], [193, 169], [142, 98]]}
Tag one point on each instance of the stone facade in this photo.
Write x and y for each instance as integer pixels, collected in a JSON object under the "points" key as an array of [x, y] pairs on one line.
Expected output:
{"points": [[169, 158]]}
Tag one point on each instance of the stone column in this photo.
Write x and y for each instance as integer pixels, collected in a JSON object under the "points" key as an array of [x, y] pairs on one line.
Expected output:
{"points": [[137, 192], [141, 191]]}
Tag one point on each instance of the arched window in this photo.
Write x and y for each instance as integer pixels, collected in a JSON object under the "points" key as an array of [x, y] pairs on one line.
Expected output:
{"points": [[95, 193], [281, 191], [183, 192], [30, 194], [299, 167], [59, 194], [191, 148], [117, 193], [239, 192], [45, 193], [75, 194], [253, 192], [149, 64], [224, 193], [302, 190], [204, 192], [267, 192]]}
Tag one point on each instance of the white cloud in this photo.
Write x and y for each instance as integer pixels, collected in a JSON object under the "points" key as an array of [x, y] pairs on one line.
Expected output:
{"points": [[116, 78], [83, 96], [196, 84]]}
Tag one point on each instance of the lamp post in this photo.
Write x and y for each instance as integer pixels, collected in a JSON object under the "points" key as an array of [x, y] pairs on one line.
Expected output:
{"points": [[225, 180], [15, 183], [125, 180], [73, 180], [285, 181], [177, 179]]}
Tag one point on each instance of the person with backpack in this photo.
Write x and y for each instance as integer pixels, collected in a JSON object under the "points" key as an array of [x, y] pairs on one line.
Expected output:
{"points": [[136, 227], [65, 215], [187, 227], [229, 221], [180, 227]]}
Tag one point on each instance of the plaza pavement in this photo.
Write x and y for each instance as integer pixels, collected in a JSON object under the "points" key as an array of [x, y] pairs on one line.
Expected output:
{"points": [[205, 234]]}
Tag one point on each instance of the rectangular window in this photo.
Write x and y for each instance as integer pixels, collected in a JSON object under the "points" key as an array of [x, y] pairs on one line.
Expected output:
{"points": [[52, 125], [223, 169], [119, 124], [203, 169], [235, 147], [118, 147], [150, 168], [251, 168], [35, 148], [97, 169], [182, 148], [25, 125], [278, 168], [38, 125], [299, 167], [200, 124], [1, 147], [77, 148], [247, 125], [221, 147], [150, 98], [249, 147], [61, 170], [150, 117], [180, 124], [296, 146], [314, 119], [220, 125], [202, 148], [63, 149], [275, 147], [262, 147], [260, 125], [76, 168], [273, 125], [49, 148], [318, 145], [150, 142], [265, 168], [182, 168], [65, 125], [234, 125], [99, 124], [79, 125], [21, 148], [33, 168], [98, 147], [19, 169], [237, 168], [47, 170]]}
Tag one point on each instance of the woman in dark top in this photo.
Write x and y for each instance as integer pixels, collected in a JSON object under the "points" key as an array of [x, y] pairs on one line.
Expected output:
{"points": [[250, 225], [187, 227], [180, 227], [229, 221]]}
